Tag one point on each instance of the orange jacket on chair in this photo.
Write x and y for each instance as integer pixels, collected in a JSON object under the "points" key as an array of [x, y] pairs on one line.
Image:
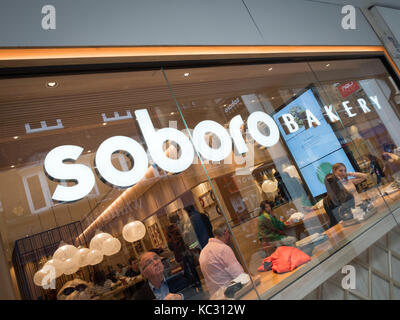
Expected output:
{"points": [[285, 259]]}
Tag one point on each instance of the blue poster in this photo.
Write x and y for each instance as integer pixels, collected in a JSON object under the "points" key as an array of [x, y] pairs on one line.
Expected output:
{"points": [[311, 146]]}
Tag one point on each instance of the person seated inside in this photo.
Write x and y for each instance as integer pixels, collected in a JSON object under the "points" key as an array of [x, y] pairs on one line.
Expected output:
{"points": [[218, 262], [270, 230], [156, 286], [133, 270], [111, 274], [338, 200], [101, 284], [121, 270]]}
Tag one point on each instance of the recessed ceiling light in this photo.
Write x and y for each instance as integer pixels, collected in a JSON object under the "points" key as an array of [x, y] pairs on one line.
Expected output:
{"points": [[328, 65], [104, 123], [16, 137], [89, 151], [12, 166], [270, 69], [186, 74], [272, 98], [51, 84], [172, 113]]}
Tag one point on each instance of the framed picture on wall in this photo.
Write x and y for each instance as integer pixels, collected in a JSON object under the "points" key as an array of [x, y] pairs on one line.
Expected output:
{"points": [[155, 235], [139, 247]]}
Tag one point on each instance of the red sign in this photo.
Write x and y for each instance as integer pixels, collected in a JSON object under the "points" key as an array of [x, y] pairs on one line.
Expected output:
{"points": [[348, 88]]}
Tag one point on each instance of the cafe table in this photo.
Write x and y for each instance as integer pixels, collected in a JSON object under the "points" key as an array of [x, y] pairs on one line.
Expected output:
{"points": [[338, 236]]}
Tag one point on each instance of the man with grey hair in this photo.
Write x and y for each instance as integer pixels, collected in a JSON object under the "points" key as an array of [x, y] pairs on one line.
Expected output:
{"points": [[156, 286], [217, 260]]}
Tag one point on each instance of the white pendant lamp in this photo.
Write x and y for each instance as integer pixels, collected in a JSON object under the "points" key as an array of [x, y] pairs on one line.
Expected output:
{"points": [[134, 231]]}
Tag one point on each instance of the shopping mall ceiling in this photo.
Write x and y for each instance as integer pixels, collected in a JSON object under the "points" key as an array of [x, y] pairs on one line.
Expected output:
{"points": [[364, 3]]}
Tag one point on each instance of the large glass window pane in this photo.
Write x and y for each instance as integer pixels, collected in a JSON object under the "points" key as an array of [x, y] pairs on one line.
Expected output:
{"points": [[270, 180], [365, 98], [83, 154]]}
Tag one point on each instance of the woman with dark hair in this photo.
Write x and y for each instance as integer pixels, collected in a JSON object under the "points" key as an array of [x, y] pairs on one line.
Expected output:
{"points": [[338, 201], [270, 229], [339, 170], [100, 282]]}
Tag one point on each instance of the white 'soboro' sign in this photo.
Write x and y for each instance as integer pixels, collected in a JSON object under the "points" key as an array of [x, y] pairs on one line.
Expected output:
{"points": [[56, 168]]}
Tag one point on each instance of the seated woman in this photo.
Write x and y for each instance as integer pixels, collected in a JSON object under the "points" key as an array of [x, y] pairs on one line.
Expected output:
{"points": [[101, 284], [270, 229], [340, 171], [338, 200]]}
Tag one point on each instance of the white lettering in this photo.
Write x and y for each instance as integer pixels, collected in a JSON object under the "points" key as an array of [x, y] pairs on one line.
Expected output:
{"points": [[312, 119], [214, 154], [332, 117], [155, 140], [349, 20], [347, 109], [110, 173], [363, 105], [49, 20], [291, 125], [234, 129], [56, 168], [375, 100], [252, 125], [349, 281]]}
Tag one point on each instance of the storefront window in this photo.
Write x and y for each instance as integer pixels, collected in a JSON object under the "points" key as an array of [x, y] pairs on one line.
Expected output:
{"points": [[197, 176]]}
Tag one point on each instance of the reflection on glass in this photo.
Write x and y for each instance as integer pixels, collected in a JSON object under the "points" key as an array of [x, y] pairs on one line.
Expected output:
{"points": [[256, 176]]}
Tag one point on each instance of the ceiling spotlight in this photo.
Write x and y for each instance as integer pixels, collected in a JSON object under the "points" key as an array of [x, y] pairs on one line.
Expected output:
{"points": [[270, 69], [52, 84], [16, 137], [272, 98], [12, 166], [328, 65], [89, 151], [186, 74], [104, 123], [172, 113]]}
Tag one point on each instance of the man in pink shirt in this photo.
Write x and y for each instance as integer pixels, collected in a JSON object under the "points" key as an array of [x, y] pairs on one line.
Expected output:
{"points": [[217, 260]]}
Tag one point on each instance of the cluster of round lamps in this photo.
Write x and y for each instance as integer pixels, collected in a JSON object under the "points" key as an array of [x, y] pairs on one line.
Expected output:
{"points": [[68, 259]]}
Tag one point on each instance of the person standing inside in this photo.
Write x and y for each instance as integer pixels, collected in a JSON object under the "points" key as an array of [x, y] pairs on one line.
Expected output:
{"points": [[201, 224], [218, 263], [182, 254], [376, 168]]}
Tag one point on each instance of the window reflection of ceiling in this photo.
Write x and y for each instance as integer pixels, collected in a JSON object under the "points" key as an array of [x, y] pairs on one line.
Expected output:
{"points": [[79, 100]]}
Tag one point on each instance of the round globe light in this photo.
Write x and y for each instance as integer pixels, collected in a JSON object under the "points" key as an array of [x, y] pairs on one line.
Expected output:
{"points": [[71, 266], [98, 240], [111, 246], [65, 252], [38, 277], [57, 265], [94, 257], [134, 231], [81, 257], [269, 186]]}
